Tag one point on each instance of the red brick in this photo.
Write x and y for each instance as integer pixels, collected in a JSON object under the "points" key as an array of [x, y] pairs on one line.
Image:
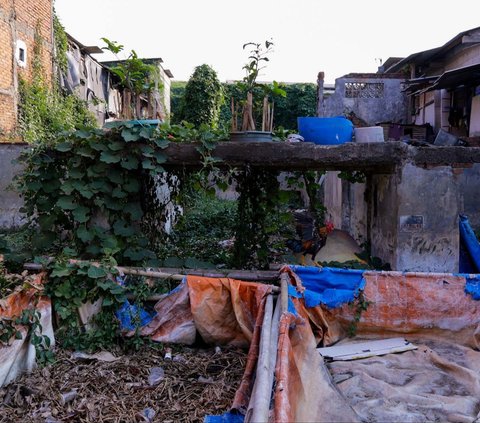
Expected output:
{"points": [[20, 20]]}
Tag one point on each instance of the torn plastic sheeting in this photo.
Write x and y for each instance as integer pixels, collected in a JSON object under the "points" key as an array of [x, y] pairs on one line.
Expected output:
{"points": [[329, 286], [173, 321], [303, 390], [470, 241], [418, 304], [223, 311], [19, 356], [132, 317], [472, 286]]}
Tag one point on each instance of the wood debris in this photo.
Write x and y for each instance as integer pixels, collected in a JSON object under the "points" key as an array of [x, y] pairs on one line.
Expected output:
{"points": [[119, 391]]}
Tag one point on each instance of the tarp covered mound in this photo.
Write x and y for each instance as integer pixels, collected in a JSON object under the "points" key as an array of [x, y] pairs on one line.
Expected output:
{"points": [[429, 307], [19, 355], [440, 381]]}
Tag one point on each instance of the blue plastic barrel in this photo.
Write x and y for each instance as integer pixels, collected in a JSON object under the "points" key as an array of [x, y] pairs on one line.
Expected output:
{"points": [[325, 131]]}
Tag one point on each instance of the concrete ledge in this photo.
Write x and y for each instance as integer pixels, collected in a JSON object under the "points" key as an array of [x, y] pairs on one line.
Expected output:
{"points": [[371, 157]]}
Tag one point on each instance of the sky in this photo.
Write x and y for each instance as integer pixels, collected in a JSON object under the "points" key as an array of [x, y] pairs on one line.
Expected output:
{"points": [[309, 36]]}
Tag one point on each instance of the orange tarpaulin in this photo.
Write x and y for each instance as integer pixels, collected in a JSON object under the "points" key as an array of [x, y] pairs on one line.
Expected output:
{"points": [[230, 312]]}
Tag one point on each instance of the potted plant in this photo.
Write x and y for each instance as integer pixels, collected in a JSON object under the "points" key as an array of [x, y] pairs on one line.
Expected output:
{"points": [[244, 126], [137, 81]]}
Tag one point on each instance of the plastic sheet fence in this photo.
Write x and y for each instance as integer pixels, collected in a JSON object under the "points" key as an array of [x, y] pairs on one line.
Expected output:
{"points": [[469, 247]]}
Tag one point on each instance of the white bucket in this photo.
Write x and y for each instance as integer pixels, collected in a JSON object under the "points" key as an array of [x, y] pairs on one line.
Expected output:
{"points": [[369, 134]]}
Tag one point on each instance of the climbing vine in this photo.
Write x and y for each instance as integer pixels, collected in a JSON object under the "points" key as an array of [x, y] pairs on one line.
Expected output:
{"points": [[360, 304], [258, 201], [44, 110], [88, 195]]}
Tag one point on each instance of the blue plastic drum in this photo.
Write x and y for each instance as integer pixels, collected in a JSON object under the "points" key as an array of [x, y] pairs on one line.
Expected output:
{"points": [[325, 131]]}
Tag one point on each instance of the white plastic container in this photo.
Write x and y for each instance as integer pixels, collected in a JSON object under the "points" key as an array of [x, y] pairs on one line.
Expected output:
{"points": [[369, 134]]}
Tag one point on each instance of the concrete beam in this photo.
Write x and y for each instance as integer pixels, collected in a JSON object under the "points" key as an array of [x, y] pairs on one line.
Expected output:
{"points": [[371, 157]]}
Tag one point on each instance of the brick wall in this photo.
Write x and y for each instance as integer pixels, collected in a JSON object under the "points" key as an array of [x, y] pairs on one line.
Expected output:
{"points": [[19, 20]]}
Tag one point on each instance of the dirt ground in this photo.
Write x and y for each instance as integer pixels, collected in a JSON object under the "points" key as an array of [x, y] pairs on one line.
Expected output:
{"points": [[139, 387]]}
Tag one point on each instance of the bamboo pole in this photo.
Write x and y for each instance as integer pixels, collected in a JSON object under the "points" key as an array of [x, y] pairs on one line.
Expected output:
{"points": [[179, 274], [274, 335], [260, 399], [233, 127], [265, 114], [284, 292], [271, 117]]}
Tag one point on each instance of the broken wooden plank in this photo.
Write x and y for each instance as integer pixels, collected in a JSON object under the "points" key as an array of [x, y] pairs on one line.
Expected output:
{"points": [[357, 350]]}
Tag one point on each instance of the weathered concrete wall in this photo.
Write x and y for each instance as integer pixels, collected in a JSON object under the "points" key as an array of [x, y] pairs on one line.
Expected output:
{"points": [[411, 217], [466, 57], [390, 107], [428, 207], [470, 191], [10, 201], [354, 214], [333, 198], [383, 217]]}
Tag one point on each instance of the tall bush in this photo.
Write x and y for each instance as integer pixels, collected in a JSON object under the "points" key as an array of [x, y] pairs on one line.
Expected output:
{"points": [[203, 97]]}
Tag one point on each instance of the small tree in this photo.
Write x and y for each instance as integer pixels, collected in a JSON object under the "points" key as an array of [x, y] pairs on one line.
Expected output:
{"points": [[135, 78], [203, 97], [258, 55]]}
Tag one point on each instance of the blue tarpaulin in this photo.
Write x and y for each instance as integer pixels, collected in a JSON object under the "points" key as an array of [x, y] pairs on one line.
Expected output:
{"points": [[329, 286], [470, 247], [131, 316], [472, 286], [225, 418]]}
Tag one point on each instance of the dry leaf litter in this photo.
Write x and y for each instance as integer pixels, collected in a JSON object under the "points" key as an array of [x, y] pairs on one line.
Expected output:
{"points": [[140, 387]]}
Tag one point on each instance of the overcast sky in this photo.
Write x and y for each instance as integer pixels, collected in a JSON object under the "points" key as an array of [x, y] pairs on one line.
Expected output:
{"points": [[337, 37]]}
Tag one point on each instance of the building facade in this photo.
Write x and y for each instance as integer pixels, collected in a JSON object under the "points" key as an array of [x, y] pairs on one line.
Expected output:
{"points": [[26, 30], [444, 85]]}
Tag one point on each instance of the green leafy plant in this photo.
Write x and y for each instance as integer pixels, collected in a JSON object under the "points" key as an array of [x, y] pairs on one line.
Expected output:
{"points": [[360, 304], [8, 331], [44, 110], [135, 77], [72, 284], [373, 262], [203, 97], [257, 204], [353, 176], [257, 58], [30, 318], [205, 224]]}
